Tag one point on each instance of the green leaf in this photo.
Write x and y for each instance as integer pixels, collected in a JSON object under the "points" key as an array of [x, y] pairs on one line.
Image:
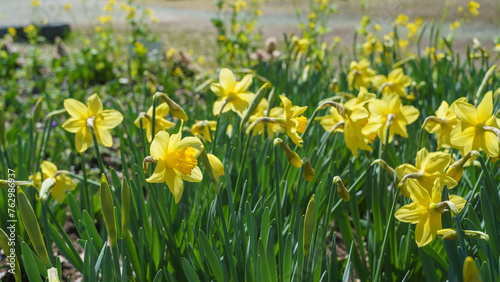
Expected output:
{"points": [[212, 260]]}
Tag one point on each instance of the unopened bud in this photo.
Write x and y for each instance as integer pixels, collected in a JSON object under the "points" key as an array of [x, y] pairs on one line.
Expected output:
{"points": [[341, 190], [308, 170], [292, 157]]}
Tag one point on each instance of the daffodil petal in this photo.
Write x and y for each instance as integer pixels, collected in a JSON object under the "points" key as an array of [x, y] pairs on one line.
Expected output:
{"points": [[489, 143], [67, 182], [423, 234], [48, 168], [195, 176], [192, 142], [76, 109], [103, 136], [411, 213], [466, 113], [159, 146], [464, 138], [216, 164], [175, 184], [95, 105], [485, 108], [217, 89], [58, 193], [109, 119], [83, 139], [458, 201], [159, 173], [227, 80], [243, 85], [73, 124]]}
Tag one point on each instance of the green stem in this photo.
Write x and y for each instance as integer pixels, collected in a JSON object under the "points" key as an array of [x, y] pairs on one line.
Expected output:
{"points": [[48, 243], [85, 200], [98, 153], [243, 158], [116, 262], [386, 236]]}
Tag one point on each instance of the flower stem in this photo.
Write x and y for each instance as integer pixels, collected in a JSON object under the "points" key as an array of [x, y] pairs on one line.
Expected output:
{"points": [[85, 200], [98, 153]]}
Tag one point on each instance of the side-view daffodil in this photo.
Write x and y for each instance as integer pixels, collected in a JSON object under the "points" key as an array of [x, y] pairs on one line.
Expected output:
{"points": [[360, 74], [160, 122], [232, 95], [426, 210], [395, 82], [176, 160], [443, 123], [478, 129], [354, 122], [428, 167], [204, 128], [261, 111], [393, 116], [84, 118], [62, 182], [292, 120]]}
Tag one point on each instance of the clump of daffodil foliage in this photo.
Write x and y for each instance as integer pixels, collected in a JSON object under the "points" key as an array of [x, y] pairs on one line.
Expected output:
{"points": [[297, 160]]}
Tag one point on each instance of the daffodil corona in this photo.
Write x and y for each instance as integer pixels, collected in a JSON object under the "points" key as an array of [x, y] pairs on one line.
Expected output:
{"points": [[176, 159], [84, 119]]}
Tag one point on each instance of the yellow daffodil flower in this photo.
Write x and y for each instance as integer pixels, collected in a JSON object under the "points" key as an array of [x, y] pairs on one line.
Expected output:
{"points": [[232, 95], [160, 123], [395, 82], [292, 120], [426, 210], [428, 167], [478, 129], [204, 128], [84, 118], [355, 122], [261, 111], [443, 123], [62, 184], [176, 161], [392, 114], [360, 74]]}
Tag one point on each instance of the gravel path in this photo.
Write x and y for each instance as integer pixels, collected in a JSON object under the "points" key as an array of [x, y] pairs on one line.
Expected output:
{"points": [[279, 16]]}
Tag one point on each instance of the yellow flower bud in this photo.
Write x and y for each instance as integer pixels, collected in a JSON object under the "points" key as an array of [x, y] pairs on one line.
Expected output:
{"points": [[292, 157], [470, 271]]}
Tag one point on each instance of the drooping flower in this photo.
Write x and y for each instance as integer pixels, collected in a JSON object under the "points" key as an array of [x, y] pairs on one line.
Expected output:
{"points": [[176, 159], [232, 95], [204, 128], [392, 114], [395, 82], [62, 181], [292, 120], [478, 129], [443, 123], [426, 210], [360, 74], [261, 111], [428, 167], [84, 118], [160, 122]]}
